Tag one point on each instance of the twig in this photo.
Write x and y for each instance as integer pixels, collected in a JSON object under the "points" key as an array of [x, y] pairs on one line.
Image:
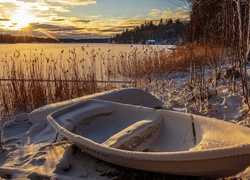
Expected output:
{"points": [[1, 145], [56, 136], [193, 128]]}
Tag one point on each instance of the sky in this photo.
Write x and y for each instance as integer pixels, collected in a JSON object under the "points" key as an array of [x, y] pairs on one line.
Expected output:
{"points": [[83, 18]]}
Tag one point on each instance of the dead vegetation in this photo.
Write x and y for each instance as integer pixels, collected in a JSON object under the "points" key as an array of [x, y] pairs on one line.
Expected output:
{"points": [[33, 81]]}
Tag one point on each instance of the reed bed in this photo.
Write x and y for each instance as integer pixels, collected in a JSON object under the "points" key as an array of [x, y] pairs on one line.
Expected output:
{"points": [[39, 79], [30, 81]]}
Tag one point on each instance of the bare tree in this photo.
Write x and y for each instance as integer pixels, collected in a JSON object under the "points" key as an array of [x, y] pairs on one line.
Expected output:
{"points": [[227, 23], [243, 13]]}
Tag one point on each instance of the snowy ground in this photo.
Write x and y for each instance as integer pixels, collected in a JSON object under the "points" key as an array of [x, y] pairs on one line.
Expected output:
{"points": [[30, 151]]}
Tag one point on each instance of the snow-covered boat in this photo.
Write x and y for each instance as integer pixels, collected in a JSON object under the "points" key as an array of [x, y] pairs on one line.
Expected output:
{"points": [[154, 139], [133, 96]]}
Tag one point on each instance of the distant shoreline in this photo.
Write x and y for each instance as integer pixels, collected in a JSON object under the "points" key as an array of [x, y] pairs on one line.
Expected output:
{"points": [[9, 39]]}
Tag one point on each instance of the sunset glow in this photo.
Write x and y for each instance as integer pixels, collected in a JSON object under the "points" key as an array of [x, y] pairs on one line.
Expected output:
{"points": [[22, 18], [83, 18]]}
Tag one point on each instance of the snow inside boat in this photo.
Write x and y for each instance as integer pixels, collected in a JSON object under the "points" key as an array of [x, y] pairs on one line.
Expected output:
{"points": [[124, 95], [154, 139]]}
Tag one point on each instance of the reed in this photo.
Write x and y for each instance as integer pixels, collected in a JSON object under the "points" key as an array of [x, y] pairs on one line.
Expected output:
{"points": [[39, 79]]}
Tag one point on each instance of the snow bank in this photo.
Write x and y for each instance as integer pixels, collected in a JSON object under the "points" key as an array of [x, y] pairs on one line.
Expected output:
{"points": [[30, 151]]}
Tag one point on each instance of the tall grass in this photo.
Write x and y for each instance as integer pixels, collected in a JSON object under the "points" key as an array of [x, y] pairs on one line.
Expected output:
{"points": [[38, 79], [148, 63], [203, 64], [30, 81]]}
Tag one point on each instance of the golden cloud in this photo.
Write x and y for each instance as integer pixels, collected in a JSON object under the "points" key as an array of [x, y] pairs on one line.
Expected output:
{"points": [[76, 2], [167, 14]]}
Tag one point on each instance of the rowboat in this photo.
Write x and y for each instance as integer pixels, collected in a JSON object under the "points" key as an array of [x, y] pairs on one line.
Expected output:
{"points": [[133, 96], [155, 139]]}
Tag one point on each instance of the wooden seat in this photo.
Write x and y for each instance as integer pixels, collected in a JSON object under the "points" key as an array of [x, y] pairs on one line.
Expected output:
{"points": [[136, 135]]}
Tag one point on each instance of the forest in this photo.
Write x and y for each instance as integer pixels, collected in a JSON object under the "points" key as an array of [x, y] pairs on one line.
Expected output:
{"points": [[165, 32], [218, 35]]}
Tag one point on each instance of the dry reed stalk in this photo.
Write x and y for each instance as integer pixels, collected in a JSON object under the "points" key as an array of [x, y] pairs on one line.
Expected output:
{"points": [[24, 95], [77, 74]]}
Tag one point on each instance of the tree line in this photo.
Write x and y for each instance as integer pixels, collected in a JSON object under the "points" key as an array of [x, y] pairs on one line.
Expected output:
{"points": [[166, 31], [8, 38]]}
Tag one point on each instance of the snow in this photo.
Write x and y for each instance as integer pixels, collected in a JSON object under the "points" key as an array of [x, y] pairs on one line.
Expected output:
{"points": [[174, 145], [133, 136], [125, 96], [36, 150], [33, 149]]}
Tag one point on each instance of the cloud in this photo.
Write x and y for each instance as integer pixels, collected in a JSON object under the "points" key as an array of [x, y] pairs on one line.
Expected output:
{"points": [[4, 19], [131, 22], [167, 14], [155, 12], [62, 18], [42, 26], [39, 8], [67, 28], [59, 8], [74, 2], [52, 31], [80, 21], [58, 20], [49, 27]]}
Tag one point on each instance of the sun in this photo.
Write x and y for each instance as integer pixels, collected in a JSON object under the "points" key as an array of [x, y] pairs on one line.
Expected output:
{"points": [[22, 18]]}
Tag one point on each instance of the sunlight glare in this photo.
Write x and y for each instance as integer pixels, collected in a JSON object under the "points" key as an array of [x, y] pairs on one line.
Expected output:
{"points": [[22, 18]]}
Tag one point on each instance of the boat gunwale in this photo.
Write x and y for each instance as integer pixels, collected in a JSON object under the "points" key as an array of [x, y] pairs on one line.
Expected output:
{"points": [[205, 154]]}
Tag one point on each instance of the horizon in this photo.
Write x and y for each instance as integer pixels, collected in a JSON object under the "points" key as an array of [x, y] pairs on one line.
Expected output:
{"points": [[81, 19]]}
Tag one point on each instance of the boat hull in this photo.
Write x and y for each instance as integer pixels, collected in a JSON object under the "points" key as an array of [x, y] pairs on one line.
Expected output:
{"points": [[155, 140], [217, 168]]}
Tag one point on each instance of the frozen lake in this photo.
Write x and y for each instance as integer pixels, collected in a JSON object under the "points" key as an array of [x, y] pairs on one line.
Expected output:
{"points": [[55, 49], [94, 57]]}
